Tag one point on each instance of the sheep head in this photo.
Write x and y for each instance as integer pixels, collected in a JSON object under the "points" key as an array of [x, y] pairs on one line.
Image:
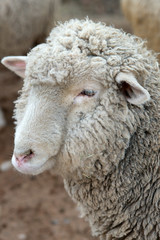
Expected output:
{"points": [[73, 109]]}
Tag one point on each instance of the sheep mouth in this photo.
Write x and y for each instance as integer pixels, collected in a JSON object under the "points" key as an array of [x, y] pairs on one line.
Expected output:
{"points": [[31, 168]]}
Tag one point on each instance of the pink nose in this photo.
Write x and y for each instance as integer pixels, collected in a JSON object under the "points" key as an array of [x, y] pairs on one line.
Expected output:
{"points": [[22, 158]]}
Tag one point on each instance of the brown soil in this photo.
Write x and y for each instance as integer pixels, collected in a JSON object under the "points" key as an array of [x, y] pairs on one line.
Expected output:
{"points": [[33, 208]]}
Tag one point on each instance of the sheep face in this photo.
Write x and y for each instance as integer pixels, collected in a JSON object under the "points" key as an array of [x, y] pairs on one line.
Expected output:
{"points": [[71, 110], [70, 123], [54, 123], [49, 124]]}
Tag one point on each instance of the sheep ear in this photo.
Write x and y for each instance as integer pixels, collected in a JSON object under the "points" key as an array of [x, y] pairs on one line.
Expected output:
{"points": [[16, 64], [132, 90]]}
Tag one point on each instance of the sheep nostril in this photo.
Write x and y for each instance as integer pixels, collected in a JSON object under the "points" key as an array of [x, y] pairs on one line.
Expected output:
{"points": [[24, 157]]}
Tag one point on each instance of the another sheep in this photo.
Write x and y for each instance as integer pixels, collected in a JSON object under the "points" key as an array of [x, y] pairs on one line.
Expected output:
{"points": [[23, 24], [90, 110], [144, 16]]}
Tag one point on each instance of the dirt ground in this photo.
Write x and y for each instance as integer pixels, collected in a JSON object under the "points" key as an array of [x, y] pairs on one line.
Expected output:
{"points": [[33, 208]]}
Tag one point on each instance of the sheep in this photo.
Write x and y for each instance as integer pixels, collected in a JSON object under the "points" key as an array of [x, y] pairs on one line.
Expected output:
{"points": [[89, 110], [23, 24], [145, 20]]}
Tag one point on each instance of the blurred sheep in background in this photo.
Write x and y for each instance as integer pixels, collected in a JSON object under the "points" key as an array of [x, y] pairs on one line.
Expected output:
{"points": [[23, 24], [144, 16]]}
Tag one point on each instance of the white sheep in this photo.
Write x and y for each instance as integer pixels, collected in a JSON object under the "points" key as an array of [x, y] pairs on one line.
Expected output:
{"points": [[90, 110], [23, 24], [144, 16]]}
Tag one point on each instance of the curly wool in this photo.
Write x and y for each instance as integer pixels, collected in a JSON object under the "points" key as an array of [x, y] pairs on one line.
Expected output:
{"points": [[110, 155], [122, 52]]}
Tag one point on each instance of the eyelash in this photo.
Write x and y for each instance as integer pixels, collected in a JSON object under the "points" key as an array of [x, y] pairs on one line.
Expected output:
{"points": [[87, 92]]}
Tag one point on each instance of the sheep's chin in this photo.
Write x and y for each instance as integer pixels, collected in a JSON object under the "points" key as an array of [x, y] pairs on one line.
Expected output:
{"points": [[32, 168]]}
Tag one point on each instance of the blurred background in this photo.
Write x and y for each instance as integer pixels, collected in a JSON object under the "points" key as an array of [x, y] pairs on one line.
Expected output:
{"points": [[38, 208]]}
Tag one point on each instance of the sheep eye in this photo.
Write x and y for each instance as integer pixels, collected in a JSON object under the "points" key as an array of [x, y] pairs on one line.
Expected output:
{"points": [[89, 93]]}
